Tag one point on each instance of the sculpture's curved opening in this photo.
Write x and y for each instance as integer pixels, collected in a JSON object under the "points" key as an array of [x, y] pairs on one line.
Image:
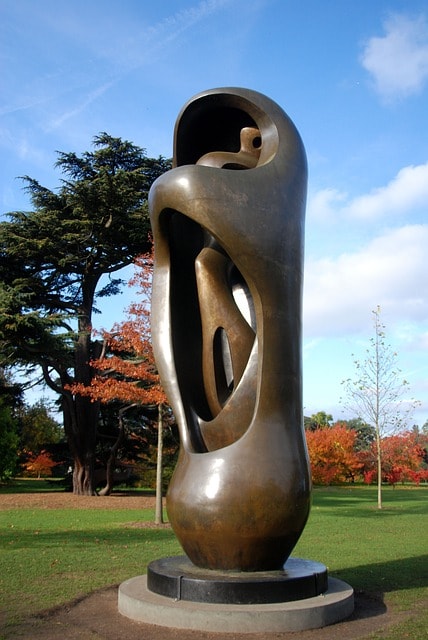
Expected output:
{"points": [[210, 130], [213, 122], [213, 326]]}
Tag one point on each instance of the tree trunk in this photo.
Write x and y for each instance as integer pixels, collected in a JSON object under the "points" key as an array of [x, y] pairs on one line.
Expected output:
{"points": [[379, 470], [111, 462], [159, 506], [82, 435], [108, 488], [83, 478], [80, 426]]}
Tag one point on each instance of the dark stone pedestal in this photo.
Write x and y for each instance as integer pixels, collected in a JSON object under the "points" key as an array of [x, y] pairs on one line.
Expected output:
{"points": [[178, 578]]}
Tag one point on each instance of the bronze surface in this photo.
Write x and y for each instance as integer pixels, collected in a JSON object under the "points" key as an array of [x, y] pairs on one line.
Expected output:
{"points": [[228, 226]]}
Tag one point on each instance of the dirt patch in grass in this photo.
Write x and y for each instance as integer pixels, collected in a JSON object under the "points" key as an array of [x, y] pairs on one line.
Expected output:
{"points": [[64, 500]]}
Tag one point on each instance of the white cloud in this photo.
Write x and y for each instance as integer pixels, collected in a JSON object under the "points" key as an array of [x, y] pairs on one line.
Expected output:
{"points": [[407, 191], [398, 61], [390, 271], [323, 204]]}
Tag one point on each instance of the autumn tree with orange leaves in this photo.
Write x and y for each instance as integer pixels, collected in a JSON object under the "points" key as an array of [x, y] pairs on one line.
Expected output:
{"points": [[332, 454], [125, 372], [40, 464]]}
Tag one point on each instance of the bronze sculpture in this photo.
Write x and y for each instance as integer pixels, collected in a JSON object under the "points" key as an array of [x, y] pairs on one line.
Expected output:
{"points": [[228, 224]]}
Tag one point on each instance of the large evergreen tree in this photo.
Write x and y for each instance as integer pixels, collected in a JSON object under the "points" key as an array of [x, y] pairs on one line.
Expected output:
{"points": [[56, 260], [10, 403]]}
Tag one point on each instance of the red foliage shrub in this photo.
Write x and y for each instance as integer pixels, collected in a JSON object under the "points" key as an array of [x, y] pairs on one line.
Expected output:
{"points": [[332, 454]]}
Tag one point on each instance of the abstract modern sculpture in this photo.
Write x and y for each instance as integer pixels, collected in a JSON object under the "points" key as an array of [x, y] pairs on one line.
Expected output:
{"points": [[226, 326], [228, 226]]}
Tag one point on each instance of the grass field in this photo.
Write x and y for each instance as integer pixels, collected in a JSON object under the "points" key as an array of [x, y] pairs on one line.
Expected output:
{"points": [[50, 556]]}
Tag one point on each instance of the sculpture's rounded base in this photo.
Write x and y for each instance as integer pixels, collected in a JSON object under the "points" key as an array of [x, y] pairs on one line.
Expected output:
{"points": [[138, 602], [177, 577]]}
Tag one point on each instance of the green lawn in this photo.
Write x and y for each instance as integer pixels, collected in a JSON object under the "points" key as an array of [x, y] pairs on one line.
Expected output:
{"points": [[32, 485], [375, 551], [48, 557]]}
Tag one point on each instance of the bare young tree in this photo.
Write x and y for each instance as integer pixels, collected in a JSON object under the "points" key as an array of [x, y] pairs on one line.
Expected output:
{"points": [[378, 394]]}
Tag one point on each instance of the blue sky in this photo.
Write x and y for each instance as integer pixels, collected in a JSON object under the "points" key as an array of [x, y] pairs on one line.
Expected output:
{"points": [[353, 76]]}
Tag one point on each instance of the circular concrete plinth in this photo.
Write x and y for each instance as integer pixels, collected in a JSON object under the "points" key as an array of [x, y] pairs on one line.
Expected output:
{"points": [[141, 605]]}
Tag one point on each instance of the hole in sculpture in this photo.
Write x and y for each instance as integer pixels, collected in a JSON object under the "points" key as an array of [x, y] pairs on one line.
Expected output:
{"points": [[257, 142], [234, 166], [242, 296], [222, 366]]}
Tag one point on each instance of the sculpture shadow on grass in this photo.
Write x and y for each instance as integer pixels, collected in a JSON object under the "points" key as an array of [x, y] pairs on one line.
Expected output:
{"points": [[387, 576]]}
